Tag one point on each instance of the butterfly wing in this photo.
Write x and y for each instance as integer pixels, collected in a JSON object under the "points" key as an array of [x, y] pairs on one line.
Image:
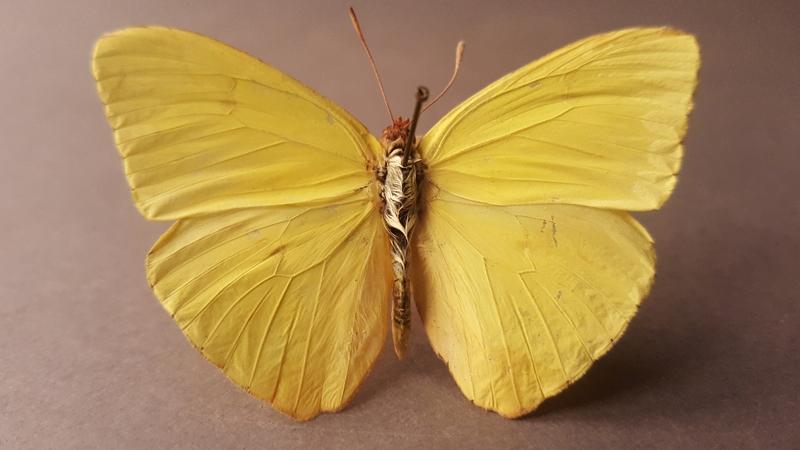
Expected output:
{"points": [[597, 123], [520, 300], [290, 302], [522, 277], [203, 127], [277, 268]]}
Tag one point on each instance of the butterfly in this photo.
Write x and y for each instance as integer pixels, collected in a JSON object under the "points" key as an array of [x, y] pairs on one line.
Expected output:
{"points": [[299, 238]]}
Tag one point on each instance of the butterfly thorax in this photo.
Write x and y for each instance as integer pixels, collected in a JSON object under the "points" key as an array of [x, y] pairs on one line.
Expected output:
{"points": [[400, 179]]}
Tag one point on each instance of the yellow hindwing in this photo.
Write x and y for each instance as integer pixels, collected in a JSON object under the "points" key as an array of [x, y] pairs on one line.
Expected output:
{"points": [[520, 300], [290, 302]]}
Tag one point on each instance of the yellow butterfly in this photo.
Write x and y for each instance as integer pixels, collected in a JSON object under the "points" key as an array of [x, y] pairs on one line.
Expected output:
{"points": [[296, 229]]}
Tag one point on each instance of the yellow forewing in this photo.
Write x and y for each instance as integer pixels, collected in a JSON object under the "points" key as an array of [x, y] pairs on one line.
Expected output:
{"points": [[290, 302], [598, 123], [520, 300], [203, 127]]}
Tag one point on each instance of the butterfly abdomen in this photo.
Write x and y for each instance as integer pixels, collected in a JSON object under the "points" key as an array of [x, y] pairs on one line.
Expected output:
{"points": [[400, 188]]}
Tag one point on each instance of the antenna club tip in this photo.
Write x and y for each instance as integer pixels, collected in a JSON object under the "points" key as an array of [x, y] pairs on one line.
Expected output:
{"points": [[460, 51]]}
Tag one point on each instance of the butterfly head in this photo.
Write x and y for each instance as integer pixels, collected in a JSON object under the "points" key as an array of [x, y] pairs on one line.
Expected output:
{"points": [[400, 134], [396, 133]]}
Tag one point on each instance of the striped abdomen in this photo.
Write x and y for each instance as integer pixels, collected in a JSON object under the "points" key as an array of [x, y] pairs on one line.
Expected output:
{"points": [[400, 189]]}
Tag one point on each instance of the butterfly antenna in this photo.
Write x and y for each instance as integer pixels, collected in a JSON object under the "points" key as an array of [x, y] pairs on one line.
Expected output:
{"points": [[459, 56], [360, 34]]}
